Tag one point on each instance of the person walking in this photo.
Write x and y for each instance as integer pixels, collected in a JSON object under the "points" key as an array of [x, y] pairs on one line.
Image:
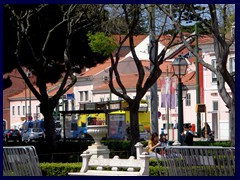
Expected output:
{"points": [[208, 129], [188, 135]]}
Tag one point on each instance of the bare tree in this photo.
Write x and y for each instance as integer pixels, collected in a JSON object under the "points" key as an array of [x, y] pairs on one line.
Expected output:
{"points": [[218, 19], [132, 14]]}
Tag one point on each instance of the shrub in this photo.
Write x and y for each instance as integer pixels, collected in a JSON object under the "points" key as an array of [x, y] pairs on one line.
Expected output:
{"points": [[62, 169], [59, 169]]}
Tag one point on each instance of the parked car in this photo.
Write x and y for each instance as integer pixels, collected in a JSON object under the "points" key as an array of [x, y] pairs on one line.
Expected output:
{"points": [[36, 134], [12, 134]]}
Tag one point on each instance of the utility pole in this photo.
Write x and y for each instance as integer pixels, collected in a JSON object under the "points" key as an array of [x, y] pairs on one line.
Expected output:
{"points": [[29, 75], [197, 82], [167, 117], [153, 49], [25, 86], [30, 104]]}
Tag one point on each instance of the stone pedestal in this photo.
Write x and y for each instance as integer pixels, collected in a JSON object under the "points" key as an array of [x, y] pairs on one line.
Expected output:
{"points": [[97, 149], [176, 143]]}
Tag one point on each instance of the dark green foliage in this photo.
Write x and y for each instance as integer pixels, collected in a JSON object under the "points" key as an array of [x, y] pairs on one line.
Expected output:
{"points": [[39, 52], [6, 82], [153, 171], [145, 143], [101, 44], [62, 169], [190, 29], [153, 162], [217, 143], [117, 145], [59, 169]]}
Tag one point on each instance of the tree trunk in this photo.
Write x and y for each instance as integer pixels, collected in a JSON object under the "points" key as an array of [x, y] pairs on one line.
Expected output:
{"points": [[134, 129], [49, 126], [232, 123]]}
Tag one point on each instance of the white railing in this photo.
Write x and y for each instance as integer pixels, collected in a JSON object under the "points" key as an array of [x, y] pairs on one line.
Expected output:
{"points": [[20, 161]]}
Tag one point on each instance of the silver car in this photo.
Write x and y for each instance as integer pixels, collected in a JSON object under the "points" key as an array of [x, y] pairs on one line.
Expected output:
{"points": [[36, 134]]}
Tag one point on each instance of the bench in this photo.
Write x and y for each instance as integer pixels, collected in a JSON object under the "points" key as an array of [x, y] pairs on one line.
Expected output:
{"points": [[115, 166]]}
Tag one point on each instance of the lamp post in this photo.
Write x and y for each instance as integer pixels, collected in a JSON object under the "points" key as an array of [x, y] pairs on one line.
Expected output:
{"points": [[184, 91], [29, 75], [180, 67]]}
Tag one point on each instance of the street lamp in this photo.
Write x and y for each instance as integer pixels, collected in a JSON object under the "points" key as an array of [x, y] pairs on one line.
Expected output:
{"points": [[180, 67]]}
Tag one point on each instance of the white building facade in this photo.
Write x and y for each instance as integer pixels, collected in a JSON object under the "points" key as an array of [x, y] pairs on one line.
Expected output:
{"points": [[217, 112]]}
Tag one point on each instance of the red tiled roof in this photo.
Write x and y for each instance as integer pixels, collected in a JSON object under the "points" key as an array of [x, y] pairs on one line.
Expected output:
{"points": [[129, 80], [189, 79], [136, 39], [100, 67], [51, 88], [204, 39], [97, 69]]}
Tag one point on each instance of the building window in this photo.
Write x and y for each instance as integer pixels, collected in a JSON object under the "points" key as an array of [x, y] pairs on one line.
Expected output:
{"points": [[101, 99], [214, 65], [188, 99], [18, 109], [86, 95], [13, 110], [66, 105], [37, 112], [231, 65], [24, 110], [29, 111], [37, 109], [215, 105], [81, 95]]}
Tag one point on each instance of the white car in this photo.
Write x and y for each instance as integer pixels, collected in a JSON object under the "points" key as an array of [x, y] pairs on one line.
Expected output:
{"points": [[36, 134]]}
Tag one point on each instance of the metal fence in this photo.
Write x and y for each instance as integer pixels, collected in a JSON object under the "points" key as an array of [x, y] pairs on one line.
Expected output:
{"points": [[20, 161], [195, 161]]}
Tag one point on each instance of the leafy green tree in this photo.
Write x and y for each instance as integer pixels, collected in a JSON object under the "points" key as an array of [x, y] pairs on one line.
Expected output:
{"points": [[101, 44], [51, 42]]}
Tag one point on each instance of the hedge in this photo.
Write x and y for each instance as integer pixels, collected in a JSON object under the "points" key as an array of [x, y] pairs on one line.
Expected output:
{"points": [[62, 169]]}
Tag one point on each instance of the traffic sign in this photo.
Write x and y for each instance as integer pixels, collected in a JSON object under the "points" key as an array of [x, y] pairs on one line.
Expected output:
{"points": [[70, 96]]}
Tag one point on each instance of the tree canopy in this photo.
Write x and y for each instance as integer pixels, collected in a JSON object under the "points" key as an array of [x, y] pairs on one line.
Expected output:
{"points": [[44, 31], [51, 42]]}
